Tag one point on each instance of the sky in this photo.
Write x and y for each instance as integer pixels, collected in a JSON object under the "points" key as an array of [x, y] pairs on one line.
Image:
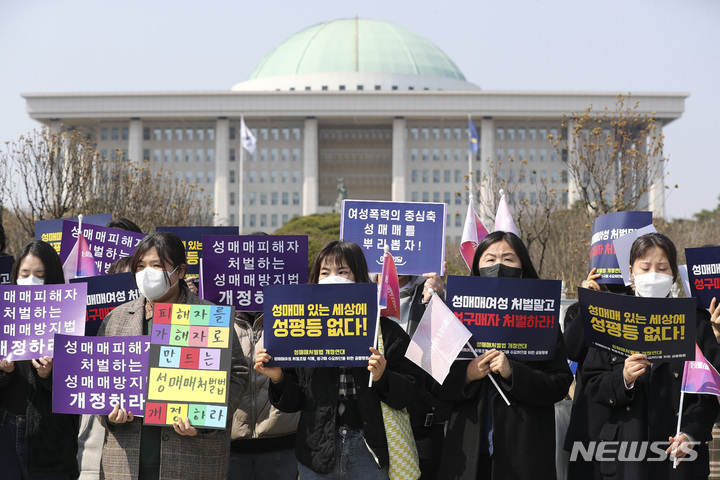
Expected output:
{"points": [[50, 46]]}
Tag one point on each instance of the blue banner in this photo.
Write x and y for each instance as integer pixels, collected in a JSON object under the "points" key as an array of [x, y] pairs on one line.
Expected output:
{"points": [[104, 293], [6, 264], [607, 228], [661, 328], [703, 268], [517, 316], [192, 239], [415, 233], [50, 231], [320, 325]]}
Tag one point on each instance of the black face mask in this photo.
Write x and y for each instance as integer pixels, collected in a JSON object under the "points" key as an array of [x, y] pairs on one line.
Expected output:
{"points": [[500, 270]]}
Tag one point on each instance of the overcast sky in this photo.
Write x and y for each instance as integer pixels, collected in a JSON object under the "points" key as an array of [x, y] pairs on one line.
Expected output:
{"points": [[181, 45]]}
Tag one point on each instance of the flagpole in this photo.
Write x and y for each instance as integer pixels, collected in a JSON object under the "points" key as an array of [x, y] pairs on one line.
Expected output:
{"points": [[677, 431], [241, 180], [470, 181], [492, 379]]}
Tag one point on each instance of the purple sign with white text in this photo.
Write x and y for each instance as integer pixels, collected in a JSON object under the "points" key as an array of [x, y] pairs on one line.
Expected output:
{"points": [[236, 268], [93, 374], [33, 314], [107, 245]]}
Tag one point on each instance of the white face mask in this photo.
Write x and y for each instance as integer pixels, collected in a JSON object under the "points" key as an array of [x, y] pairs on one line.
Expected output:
{"points": [[31, 280], [152, 283], [653, 284], [335, 279]]}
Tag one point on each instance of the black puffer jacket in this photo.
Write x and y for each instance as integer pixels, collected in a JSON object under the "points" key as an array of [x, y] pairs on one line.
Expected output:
{"points": [[315, 393]]}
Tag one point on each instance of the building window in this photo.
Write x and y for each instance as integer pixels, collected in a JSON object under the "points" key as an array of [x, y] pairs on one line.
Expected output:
{"points": [[425, 154], [274, 198], [252, 219], [157, 134], [510, 133], [426, 176], [199, 176], [413, 154], [436, 133], [458, 220], [436, 197], [285, 154], [232, 198], [263, 176], [436, 154], [274, 176], [500, 134], [125, 134], [178, 155], [521, 134], [543, 154], [263, 154], [168, 134], [414, 176], [273, 220], [156, 155], [500, 155], [296, 154], [296, 176], [458, 199], [274, 153], [446, 154], [211, 134], [146, 133], [342, 87], [458, 176], [199, 155], [521, 154], [263, 220], [296, 198], [231, 133], [458, 133], [252, 198], [115, 134], [296, 133], [263, 198], [447, 133], [446, 197], [168, 154], [285, 176], [232, 176], [200, 134], [188, 155], [458, 155], [360, 87], [532, 134], [211, 176], [232, 154], [414, 197], [425, 133], [274, 134], [446, 176], [377, 87], [414, 133], [178, 134], [426, 196], [436, 176], [210, 154], [285, 198]]}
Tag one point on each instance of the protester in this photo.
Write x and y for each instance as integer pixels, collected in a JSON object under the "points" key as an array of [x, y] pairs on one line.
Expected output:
{"points": [[124, 224], [341, 432], [35, 443], [135, 450], [487, 438], [428, 415], [263, 438], [642, 399], [583, 409]]}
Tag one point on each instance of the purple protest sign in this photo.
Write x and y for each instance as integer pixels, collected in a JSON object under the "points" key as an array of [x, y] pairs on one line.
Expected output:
{"points": [[107, 245], [236, 268], [33, 314], [93, 374], [192, 239], [50, 231], [6, 264], [606, 229], [414, 232], [703, 267], [104, 294]]}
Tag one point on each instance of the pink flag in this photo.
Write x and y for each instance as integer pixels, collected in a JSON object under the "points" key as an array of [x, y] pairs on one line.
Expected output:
{"points": [[438, 340], [80, 262], [503, 220], [473, 233], [389, 289], [700, 376]]}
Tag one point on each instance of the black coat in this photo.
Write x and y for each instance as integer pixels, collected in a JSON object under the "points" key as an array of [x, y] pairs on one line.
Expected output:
{"points": [[524, 432], [314, 392], [51, 437], [649, 410]]}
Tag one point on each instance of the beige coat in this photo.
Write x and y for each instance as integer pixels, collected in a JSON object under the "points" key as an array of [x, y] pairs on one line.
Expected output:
{"points": [[204, 456]]}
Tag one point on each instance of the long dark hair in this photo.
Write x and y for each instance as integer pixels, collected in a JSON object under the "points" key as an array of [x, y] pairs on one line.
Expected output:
{"points": [[334, 252], [649, 240], [528, 270], [169, 248], [49, 258]]}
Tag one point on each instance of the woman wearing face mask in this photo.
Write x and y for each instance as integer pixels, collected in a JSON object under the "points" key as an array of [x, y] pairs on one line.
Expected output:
{"points": [[340, 433], [642, 399], [35, 443], [485, 437], [135, 450]]}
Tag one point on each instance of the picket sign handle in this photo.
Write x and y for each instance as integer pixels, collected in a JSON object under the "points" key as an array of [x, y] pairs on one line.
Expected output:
{"points": [[377, 321], [492, 379]]}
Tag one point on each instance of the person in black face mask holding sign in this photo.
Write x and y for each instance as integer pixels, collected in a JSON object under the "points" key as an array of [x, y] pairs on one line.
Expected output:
{"points": [[487, 438]]}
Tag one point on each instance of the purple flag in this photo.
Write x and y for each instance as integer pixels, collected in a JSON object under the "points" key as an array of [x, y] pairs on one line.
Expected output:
{"points": [[700, 376], [503, 219]]}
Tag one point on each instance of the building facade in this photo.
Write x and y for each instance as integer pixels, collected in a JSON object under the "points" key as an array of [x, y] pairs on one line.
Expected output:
{"points": [[364, 103]]}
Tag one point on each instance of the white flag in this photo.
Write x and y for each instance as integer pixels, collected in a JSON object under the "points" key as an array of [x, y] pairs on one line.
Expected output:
{"points": [[247, 139], [438, 340]]}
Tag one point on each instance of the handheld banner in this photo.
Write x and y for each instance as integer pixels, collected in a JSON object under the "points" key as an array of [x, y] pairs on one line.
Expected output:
{"points": [[661, 328], [236, 268], [415, 233], [33, 314], [50, 231], [104, 293], [190, 357], [703, 268], [93, 374], [320, 325], [6, 264], [192, 239], [519, 317], [106, 244], [606, 229]]}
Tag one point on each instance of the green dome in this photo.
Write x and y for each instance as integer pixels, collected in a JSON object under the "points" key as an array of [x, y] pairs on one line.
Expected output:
{"points": [[357, 45]]}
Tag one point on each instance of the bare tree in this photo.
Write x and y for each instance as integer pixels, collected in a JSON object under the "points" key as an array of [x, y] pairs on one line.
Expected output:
{"points": [[614, 158]]}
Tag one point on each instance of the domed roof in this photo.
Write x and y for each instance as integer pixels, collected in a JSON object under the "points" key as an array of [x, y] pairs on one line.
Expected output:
{"points": [[356, 46]]}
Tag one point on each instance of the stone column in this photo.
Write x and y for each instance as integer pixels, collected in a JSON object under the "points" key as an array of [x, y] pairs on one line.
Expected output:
{"points": [[135, 140], [399, 160], [310, 167], [221, 200]]}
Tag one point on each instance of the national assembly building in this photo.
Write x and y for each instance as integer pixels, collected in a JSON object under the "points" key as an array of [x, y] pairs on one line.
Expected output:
{"points": [[358, 105]]}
